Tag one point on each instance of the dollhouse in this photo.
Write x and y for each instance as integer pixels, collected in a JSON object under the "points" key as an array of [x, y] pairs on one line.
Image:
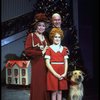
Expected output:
{"points": [[18, 72]]}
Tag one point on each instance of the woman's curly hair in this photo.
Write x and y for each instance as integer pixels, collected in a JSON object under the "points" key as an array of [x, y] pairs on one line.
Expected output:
{"points": [[40, 17], [54, 31]]}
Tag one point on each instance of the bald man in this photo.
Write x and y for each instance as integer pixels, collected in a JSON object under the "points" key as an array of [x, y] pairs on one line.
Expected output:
{"points": [[56, 21]]}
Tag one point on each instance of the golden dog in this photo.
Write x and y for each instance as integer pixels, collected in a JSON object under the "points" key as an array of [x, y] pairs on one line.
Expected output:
{"points": [[76, 85]]}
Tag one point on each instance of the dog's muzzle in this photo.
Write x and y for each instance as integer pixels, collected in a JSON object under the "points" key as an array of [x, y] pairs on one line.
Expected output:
{"points": [[79, 79]]}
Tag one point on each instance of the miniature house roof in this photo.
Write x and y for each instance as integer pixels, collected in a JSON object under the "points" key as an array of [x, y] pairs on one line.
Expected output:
{"points": [[20, 63]]}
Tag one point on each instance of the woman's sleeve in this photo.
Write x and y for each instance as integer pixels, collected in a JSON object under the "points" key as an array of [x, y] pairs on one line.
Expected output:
{"points": [[29, 49]]}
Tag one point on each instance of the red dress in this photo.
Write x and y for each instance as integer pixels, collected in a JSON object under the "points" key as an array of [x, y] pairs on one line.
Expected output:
{"points": [[57, 62], [33, 48]]}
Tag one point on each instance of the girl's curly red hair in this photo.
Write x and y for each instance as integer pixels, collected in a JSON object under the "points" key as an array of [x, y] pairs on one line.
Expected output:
{"points": [[54, 31]]}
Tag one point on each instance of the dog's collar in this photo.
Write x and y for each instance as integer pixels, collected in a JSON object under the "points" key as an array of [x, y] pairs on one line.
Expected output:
{"points": [[73, 83]]}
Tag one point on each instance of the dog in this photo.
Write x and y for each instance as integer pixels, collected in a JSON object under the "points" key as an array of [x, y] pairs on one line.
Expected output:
{"points": [[76, 90]]}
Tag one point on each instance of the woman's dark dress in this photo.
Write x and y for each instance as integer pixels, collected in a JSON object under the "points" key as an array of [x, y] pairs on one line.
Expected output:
{"points": [[38, 77]]}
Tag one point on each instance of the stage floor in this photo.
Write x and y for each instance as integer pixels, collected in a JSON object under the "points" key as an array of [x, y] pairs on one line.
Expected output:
{"points": [[23, 93]]}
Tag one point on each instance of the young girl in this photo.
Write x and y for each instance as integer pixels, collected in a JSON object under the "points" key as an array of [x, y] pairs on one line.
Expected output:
{"points": [[57, 64]]}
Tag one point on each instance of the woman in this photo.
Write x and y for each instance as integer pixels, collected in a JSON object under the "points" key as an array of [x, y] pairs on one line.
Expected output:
{"points": [[35, 47], [57, 64]]}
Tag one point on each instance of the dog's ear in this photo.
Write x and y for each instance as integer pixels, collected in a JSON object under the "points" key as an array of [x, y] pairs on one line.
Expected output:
{"points": [[83, 73]]}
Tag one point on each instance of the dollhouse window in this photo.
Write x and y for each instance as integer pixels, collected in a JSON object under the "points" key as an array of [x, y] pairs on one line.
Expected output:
{"points": [[9, 71], [15, 72], [23, 72], [23, 81], [9, 80]]}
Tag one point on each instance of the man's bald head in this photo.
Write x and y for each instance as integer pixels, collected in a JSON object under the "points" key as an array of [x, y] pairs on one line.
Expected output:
{"points": [[56, 20], [56, 15]]}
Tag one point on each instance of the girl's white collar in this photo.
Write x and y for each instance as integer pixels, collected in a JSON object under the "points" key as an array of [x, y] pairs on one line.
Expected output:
{"points": [[56, 48]]}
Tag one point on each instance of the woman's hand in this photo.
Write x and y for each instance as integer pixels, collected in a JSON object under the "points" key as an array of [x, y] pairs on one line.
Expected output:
{"points": [[44, 50]]}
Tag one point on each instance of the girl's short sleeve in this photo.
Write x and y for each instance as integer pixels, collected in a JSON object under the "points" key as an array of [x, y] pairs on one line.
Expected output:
{"points": [[47, 54], [66, 53]]}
